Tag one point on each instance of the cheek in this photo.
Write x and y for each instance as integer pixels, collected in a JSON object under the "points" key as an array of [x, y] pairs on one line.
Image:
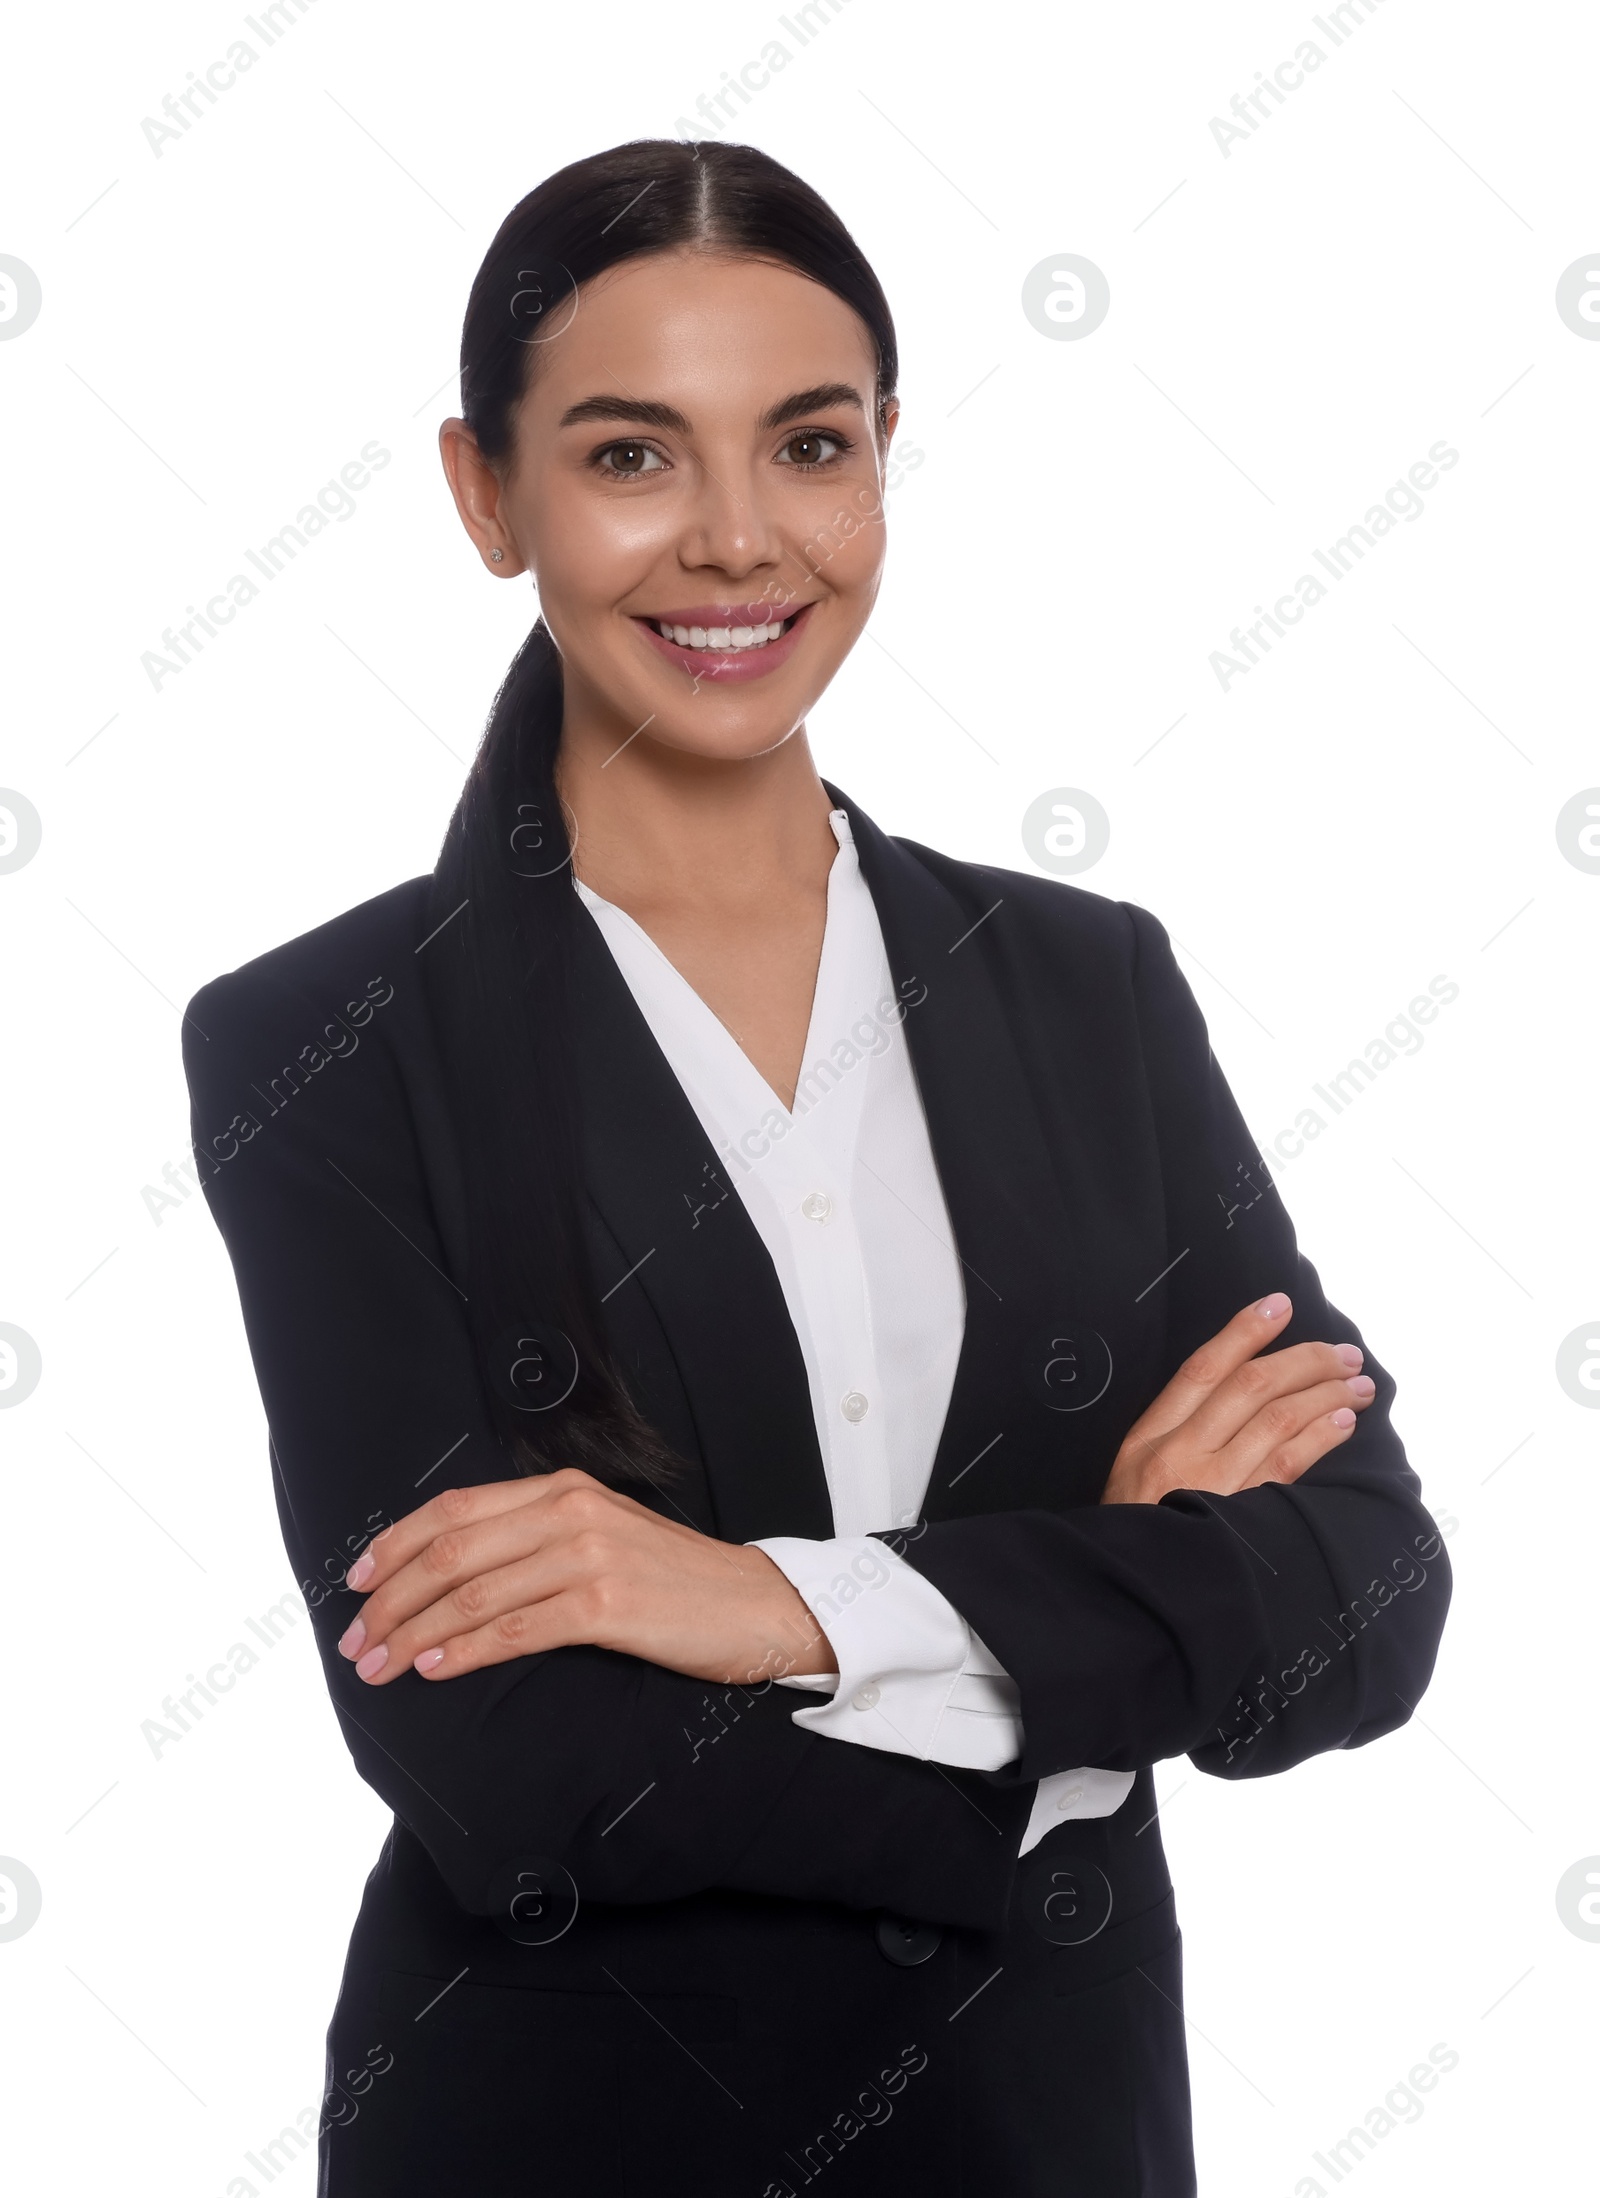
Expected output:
{"points": [[853, 575], [844, 548], [588, 551]]}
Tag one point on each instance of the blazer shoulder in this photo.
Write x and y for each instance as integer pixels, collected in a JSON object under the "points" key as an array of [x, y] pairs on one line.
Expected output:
{"points": [[1054, 915], [375, 940]]}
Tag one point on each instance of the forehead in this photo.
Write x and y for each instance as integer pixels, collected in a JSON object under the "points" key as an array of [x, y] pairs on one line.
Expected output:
{"points": [[701, 332]]}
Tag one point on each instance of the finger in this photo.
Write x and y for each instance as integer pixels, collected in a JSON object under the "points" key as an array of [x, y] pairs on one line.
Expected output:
{"points": [[572, 1505], [1247, 1459], [1285, 1462], [456, 1557], [1284, 1420], [530, 1630], [476, 1605], [1256, 1385], [450, 1510], [1249, 1331]]}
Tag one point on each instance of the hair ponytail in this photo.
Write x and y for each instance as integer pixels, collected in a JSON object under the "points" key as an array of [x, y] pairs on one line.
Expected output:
{"points": [[502, 911], [498, 974]]}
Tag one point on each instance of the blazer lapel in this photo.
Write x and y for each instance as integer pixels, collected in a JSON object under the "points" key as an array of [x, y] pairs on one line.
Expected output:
{"points": [[689, 1244], [1052, 1339]]}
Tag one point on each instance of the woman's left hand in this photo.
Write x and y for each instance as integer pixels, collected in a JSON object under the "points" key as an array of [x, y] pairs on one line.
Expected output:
{"points": [[480, 1575]]}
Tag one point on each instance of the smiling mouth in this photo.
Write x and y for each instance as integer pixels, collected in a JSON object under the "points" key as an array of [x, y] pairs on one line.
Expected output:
{"points": [[729, 640], [727, 644]]}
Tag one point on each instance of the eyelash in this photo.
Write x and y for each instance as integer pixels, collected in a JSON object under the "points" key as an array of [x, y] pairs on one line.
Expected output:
{"points": [[842, 447]]}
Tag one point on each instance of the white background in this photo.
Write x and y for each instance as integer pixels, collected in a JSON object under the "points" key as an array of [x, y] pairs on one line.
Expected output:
{"points": [[1292, 326]]}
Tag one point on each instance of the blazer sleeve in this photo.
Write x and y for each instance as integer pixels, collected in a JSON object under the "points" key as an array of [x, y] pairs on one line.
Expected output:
{"points": [[1246, 1631], [644, 1784]]}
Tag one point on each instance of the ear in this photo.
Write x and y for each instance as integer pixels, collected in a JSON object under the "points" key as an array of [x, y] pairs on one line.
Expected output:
{"points": [[476, 487]]}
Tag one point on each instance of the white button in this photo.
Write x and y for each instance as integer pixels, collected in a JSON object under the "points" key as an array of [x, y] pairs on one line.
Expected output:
{"points": [[1070, 1798], [816, 1205], [867, 1697], [853, 1405]]}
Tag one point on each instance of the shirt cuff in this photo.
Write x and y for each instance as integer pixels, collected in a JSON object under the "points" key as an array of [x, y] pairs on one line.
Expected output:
{"points": [[1070, 1794], [913, 1677]]}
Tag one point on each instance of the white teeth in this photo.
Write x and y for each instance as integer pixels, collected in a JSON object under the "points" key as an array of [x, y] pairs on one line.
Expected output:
{"points": [[720, 637]]}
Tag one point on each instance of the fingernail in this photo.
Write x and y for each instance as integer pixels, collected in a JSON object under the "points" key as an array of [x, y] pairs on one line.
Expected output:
{"points": [[1344, 1417], [1362, 1385], [1348, 1354], [429, 1660], [360, 1572], [352, 1637], [1271, 1307], [373, 1662]]}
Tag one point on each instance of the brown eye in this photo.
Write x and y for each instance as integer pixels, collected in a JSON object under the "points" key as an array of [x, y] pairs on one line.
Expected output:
{"points": [[811, 448], [630, 459]]}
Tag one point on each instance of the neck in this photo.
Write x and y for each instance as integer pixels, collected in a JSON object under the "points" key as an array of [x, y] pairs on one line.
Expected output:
{"points": [[657, 827]]}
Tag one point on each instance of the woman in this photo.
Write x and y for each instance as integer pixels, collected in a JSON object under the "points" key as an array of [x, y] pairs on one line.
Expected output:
{"points": [[790, 1388]]}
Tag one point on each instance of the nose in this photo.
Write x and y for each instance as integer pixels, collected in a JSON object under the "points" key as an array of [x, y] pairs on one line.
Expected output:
{"points": [[733, 527]]}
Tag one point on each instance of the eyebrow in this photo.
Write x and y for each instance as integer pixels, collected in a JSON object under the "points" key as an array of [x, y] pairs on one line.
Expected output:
{"points": [[639, 412]]}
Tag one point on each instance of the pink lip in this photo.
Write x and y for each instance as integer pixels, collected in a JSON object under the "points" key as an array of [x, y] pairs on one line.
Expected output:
{"points": [[726, 666]]}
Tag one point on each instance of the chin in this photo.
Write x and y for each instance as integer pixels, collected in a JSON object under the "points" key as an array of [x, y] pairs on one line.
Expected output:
{"points": [[737, 736]]}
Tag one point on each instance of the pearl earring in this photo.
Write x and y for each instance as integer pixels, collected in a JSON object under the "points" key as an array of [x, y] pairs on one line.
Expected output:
{"points": [[497, 555]]}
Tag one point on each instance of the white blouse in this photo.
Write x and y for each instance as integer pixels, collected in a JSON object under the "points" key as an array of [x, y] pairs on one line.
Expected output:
{"points": [[844, 1194]]}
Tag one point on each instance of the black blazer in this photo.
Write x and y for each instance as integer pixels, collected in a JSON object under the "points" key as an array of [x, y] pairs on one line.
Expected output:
{"points": [[632, 1933]]}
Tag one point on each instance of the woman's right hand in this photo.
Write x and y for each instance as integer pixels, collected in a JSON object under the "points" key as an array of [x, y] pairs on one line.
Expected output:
{"points": [[1230, 1419]]}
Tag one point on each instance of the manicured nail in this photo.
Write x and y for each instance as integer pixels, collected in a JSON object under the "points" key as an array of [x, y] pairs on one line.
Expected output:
{"points": [[1362, 1385], [352, 1637], [1271, 1307], [429, 1660], [1344, 1417], [360, 1572], [1348, 1354], [373, 1662]]}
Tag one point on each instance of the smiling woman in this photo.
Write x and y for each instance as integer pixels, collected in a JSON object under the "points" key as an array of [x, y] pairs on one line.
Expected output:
{"points": [[791, 1571]]}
